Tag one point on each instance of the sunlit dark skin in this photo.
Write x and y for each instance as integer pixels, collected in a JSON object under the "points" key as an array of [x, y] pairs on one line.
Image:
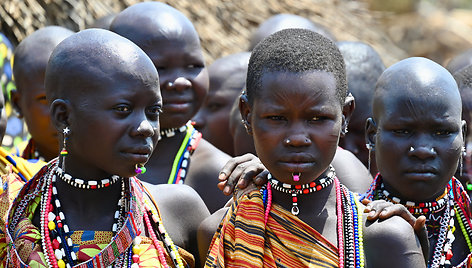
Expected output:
{"points": [[363, 68], [172, 43], [285, 21], [106, 90], [227, 79], [303, 109], [418, 133], [350, 171], [29, 98], [242, 141]]}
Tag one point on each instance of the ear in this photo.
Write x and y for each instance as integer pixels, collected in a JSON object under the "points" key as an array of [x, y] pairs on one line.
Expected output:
{"points": [[245, 110], [370, 133], [348, 108], [60, 114], [15, 100]]}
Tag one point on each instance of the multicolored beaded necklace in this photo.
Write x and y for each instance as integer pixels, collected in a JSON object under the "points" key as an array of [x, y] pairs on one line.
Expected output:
{"points": [[349, 217], [296, 190], [135, 204], [440, 215], [182, 158]]}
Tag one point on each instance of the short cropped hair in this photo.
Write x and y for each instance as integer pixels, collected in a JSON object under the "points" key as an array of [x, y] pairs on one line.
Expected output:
{"points": [[295, 50], [464, 77]]}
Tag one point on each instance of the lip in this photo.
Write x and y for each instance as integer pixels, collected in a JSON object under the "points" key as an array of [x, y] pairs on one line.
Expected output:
{"points": [[297, 162], [138, 154], [421, 173], [177, 105]]}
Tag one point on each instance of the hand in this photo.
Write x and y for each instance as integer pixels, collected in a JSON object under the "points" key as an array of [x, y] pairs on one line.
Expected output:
{"points": [[241, 171], [381, 209]]}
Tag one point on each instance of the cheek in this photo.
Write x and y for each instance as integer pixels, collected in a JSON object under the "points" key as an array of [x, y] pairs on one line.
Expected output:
{"points": [[201, 84]]}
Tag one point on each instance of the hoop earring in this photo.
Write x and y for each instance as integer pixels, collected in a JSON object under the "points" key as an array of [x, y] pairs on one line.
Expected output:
{"points": [[64, 152], [369, 147]]}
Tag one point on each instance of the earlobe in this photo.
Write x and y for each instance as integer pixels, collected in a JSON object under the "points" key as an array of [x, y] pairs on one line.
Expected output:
{"points": [[60, 114], [370, 133], [15, 99], [464, 129], [245, 110]]}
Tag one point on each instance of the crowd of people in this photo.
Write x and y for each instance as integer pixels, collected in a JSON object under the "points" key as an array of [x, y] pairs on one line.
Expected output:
{"points": [[303, 151]]}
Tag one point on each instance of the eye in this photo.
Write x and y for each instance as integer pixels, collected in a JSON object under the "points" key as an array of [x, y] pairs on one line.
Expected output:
{"points": [[276, 117], [42, 100], [214, 106], [442, 132], [122, 108], [155, 110], [317, 118], [401, 131]]}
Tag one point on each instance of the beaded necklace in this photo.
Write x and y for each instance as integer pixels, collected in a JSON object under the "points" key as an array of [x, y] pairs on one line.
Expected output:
{"points": [[136, 207], [296, 190], [440, 215], [83, 184], [170, 132], [57, 243], [182, 158], [349, 221]]}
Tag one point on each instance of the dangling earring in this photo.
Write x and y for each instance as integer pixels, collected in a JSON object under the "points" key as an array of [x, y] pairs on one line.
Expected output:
{"points": [[461, 160], [65, 132], [369, 147]]}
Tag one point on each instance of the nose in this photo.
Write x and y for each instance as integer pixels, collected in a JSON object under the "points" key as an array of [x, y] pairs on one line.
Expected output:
{"points": [[145, 128], [422, 152], [179, 84], [297, 140]]}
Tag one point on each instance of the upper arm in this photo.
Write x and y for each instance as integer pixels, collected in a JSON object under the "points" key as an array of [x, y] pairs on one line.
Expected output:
{"points": [[207, 230], [182, 211], [392, 243]]}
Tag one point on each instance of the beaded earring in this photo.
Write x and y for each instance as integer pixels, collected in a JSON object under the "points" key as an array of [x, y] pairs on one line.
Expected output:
{"points": [[369, 147], [461, 160], [140, 169], [64, 152]]}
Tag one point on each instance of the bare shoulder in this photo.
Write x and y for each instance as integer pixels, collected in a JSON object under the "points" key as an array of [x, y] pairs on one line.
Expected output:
{"points": [[392, 243], [177, 197], [351, 172], [207, 230], [209, 154]]}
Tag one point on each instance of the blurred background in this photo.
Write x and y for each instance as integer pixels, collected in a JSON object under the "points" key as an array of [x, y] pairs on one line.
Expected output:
{"points": [[437, 29]]}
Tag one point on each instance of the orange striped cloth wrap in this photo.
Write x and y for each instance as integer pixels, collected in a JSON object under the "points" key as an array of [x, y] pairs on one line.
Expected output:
{"points": [[243, 240]]}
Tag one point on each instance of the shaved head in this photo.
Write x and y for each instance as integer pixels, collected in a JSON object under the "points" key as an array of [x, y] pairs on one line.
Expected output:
{"points": [[415, 78], [32, 54], [86, 59], [286, 21], [149, 22]]}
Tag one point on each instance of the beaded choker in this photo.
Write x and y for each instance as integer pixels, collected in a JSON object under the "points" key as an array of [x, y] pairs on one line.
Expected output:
{"points": [[79, 183], [170, 132], [416, 207], [295, 190]]}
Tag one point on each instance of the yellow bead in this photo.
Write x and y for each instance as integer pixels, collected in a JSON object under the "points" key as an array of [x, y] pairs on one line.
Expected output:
{"points": [[137, 250], [51, 225], [61, 264]]}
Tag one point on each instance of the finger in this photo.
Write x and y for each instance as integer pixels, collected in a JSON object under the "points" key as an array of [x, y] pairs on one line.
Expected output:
{"points": [[261, 179], [250, 172], [229, 167], [422, 233], [366, 201]]}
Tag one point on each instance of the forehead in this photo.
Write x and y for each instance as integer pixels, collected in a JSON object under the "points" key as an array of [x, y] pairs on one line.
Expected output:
{"points": [[317, 85], [419, 108]]}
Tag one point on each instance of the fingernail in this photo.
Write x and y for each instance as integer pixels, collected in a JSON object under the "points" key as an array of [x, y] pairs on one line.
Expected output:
{"points": [[222, 176], [371, 214], [226, 189]]}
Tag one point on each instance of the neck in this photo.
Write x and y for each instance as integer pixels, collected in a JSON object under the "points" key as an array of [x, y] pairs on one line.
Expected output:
{"points": [[91, 209]]}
